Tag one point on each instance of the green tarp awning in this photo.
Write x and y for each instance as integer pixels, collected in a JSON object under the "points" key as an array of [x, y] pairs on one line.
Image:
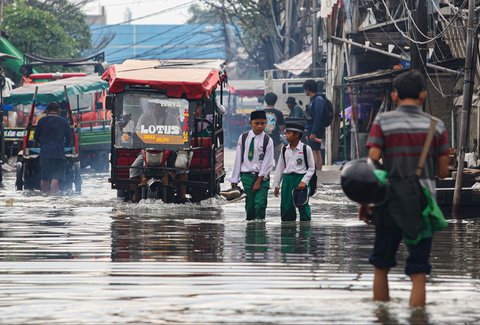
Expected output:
{"points": [[54, 91], [13, 65]]}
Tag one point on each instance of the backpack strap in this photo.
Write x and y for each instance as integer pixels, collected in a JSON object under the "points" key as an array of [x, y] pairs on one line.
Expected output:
{"points": [[266, 139], [426, 147], [305, 155], [284, 148], [244, 139]]}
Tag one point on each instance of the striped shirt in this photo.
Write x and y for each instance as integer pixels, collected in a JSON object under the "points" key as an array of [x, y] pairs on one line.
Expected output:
{"points": [[400, 135]]}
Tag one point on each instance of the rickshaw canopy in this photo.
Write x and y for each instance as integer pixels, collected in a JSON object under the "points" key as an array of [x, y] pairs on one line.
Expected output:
{"points": [[54, 90], [192, 79], [247, 88]]}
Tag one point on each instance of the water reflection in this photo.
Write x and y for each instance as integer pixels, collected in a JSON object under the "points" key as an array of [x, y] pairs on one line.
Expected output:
{"points": [[256, 241], [166, 239], [295, 238], [387, 313], [151, 263]]}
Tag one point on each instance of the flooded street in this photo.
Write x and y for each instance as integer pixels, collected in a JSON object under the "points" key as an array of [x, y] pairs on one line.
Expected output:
{"points": [[90, 258]]}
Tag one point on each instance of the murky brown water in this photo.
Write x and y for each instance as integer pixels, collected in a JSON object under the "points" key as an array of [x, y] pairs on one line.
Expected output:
{"points": [[91, 259]]}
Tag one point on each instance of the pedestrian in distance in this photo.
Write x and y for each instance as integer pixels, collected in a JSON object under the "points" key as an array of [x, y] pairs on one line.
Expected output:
{"points": [[253, 164], [275, 123], [295, 168], [398, 138], [54, 134], [315, 130], [295, 109]]}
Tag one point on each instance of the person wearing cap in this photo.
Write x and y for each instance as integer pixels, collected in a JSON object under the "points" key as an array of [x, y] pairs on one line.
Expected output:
{"points": [[54, 134], [252, 166], [293, 175], [295, 109]]}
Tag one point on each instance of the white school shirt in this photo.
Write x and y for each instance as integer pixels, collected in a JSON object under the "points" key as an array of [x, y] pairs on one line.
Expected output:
{"points": [[295, 163], [262, 167]]}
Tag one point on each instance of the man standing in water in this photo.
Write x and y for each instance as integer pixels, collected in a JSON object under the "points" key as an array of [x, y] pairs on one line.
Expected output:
{"points": [[54, 134], [398, 137]]}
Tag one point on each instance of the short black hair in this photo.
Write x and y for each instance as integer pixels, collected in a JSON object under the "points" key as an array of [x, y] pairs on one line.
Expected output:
{"points": [[271, 99], [409, 84], [53, 106], [311, 85]]}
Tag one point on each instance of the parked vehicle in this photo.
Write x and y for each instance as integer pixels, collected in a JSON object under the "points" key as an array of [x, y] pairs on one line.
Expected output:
{"points": [[86, 96], [29, 101], [241, 98], [167, 117], [284, 86]]}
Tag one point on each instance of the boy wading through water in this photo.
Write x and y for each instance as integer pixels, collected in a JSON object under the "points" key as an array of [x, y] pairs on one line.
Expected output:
{"points": [[398, 137], [253, 164], [293, 173]]}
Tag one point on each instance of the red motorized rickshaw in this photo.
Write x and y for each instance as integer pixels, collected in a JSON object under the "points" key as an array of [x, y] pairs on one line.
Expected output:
{"points": [[167, 131]]}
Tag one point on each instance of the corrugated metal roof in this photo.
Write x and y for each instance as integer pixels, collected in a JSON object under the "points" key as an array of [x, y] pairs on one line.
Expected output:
{"points": [[455, 37], [298, 64]]}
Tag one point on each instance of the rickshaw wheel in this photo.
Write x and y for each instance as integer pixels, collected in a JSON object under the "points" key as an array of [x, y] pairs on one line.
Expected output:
{"points": [[217, 188], [31, 174], [198, 194], [125, 195], [153, 194], [143, 192], [169, 195], [77, 177], [19, 178]]}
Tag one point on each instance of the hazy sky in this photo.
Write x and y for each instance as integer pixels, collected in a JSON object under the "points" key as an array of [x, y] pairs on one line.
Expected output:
{"points": [[176, 10]]}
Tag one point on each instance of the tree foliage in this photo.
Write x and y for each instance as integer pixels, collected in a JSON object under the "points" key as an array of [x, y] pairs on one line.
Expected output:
{"points": [[51, 28]]}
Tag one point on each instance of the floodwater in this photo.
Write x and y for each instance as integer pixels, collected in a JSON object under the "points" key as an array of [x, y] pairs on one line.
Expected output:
{"points": [[90, 259]]}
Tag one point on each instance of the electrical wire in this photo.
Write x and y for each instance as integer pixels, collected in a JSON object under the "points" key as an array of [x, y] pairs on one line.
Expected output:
{"points": [[428, 40], [149, 15]]}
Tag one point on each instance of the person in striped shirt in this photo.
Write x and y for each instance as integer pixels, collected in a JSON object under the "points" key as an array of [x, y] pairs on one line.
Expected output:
{"points": [[397, 137]]}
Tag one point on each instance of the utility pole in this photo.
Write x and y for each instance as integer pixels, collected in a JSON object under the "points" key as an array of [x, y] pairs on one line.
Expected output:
{"points": [[314, 38], [470, 65], [288, 29], [419, 30]]}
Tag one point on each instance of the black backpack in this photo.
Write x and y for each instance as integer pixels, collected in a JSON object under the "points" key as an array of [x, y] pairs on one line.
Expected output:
{"points": [[313, 180], [327, 115]]}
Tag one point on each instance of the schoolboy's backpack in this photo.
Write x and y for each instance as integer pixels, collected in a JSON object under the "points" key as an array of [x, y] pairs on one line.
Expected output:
{"points": [[327, 115], [266, 138], [314, 179]]}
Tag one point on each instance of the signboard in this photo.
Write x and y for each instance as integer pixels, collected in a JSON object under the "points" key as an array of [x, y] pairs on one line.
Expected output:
{"points": [[152, 120], [14, 134]]}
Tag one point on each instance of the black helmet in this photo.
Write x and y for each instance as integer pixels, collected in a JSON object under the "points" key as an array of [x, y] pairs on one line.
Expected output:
{"points": [[362, 183]]}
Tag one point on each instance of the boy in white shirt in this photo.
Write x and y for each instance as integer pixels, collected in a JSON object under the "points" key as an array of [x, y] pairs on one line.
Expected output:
{"points": [[292, 172], [253, 163]]}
